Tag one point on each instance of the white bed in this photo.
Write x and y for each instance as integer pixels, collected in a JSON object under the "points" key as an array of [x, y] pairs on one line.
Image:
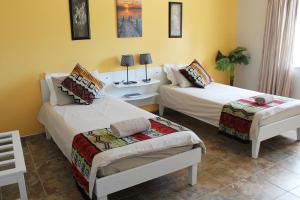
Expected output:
{"points": [[62, 123], [206, 105]]}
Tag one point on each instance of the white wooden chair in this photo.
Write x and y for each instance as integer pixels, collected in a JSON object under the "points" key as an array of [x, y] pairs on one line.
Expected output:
{"points": [[12, 164]]}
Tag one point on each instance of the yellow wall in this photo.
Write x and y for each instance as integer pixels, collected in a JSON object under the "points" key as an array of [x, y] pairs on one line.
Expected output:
{"points": [[35, 38]]}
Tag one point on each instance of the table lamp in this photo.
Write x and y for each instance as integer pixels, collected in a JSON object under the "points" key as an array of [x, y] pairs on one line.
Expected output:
{"points": [[127, 61], [146, 59]]}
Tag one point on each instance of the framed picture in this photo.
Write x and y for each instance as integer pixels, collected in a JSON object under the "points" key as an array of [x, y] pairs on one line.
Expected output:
{"points": [[175, 20], [129, 17], [80, 22]]}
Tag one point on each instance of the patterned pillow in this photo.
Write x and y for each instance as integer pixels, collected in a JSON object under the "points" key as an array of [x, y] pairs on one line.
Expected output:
{"points": [[196, 74], [81, 85], [61, 97]]}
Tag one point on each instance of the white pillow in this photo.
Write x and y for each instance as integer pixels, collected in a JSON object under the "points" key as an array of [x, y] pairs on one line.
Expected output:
{"points": [[170, 75], [53, 97], [48, 78], [180, 79]]}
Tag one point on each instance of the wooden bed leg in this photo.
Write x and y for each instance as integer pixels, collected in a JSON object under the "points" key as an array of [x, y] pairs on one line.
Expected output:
{"points": [[48, 136], [161, 110], [255, 148], [102, 198], [298, 134], [192, 174]]}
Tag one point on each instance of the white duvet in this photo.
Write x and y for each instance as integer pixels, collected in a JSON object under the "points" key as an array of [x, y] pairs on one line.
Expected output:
{"points": [[64, 122], [207, 104]]}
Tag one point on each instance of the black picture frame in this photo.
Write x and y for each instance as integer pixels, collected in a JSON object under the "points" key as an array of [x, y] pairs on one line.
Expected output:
{"points": [[179, 23], [80, 19]]}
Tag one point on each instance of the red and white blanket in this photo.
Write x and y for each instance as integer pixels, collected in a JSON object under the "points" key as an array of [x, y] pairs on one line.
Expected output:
{"points": [[99, 148], [241, 118]]}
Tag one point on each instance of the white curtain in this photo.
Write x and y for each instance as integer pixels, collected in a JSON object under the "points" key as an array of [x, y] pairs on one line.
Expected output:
{"points": [[275, 74], [297, 43]]}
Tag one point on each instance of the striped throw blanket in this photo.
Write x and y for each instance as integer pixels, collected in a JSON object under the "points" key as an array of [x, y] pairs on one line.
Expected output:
{"points": [[237, 116], [87, 145]]}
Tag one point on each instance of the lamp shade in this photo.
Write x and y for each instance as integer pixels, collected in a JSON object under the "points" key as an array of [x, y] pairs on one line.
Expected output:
{"points": [[127, 60], [145, 59]]}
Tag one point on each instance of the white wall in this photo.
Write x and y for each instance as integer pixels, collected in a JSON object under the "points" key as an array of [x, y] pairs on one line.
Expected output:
{"points": [[296, 83], [250, 31]]}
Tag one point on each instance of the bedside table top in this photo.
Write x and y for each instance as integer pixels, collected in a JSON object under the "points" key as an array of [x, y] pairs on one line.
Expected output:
{"points": [[138, 84]]}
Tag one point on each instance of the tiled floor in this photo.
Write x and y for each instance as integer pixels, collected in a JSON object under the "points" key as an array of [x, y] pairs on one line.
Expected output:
{"points": [[226, 172]]}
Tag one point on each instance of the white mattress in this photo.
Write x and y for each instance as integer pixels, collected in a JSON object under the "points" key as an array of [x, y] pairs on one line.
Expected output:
{"points": [[64, 122], [206, 104]]}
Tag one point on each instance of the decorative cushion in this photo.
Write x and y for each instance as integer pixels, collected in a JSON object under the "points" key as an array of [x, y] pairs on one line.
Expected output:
{"points": [[170, 75], [196, 74], [61, 97], [180, 79], [81, 85]]}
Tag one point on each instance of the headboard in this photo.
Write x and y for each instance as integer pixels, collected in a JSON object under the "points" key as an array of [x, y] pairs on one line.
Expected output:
{"points": [[45, 92], [109, 77]]}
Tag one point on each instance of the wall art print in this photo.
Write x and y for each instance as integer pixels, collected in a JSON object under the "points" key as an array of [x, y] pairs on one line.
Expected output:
{"points": [[129, 16]]}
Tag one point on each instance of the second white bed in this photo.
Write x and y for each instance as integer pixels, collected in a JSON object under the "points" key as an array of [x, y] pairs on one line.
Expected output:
{"points": [[206, 105]]}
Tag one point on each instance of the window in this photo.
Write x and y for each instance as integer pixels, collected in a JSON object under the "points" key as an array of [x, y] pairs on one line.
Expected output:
{"points": [[296, 62]]}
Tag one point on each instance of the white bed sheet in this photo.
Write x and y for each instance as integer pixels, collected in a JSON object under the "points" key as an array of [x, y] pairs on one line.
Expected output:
{"points": [[206, 104], [64, 122]]}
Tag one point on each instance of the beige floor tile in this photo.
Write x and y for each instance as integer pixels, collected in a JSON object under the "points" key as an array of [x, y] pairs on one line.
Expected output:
{"points": [[288, 196], [245, 166], [281, 177], [292, 164], [296, 191], [273, 155], [256, 187], [227, 193]]}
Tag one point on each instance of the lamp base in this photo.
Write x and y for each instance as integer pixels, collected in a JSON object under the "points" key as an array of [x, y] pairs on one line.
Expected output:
{"points": [[147, 80], [129, 82]]}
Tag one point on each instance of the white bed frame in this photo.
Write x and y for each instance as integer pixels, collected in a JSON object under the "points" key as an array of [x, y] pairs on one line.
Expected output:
{"points": [[264, 132], [122, 180]]}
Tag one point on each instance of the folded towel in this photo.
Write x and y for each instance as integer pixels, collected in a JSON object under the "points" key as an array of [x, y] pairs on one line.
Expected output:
{"points": [[129, 127], [264, 99]]}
